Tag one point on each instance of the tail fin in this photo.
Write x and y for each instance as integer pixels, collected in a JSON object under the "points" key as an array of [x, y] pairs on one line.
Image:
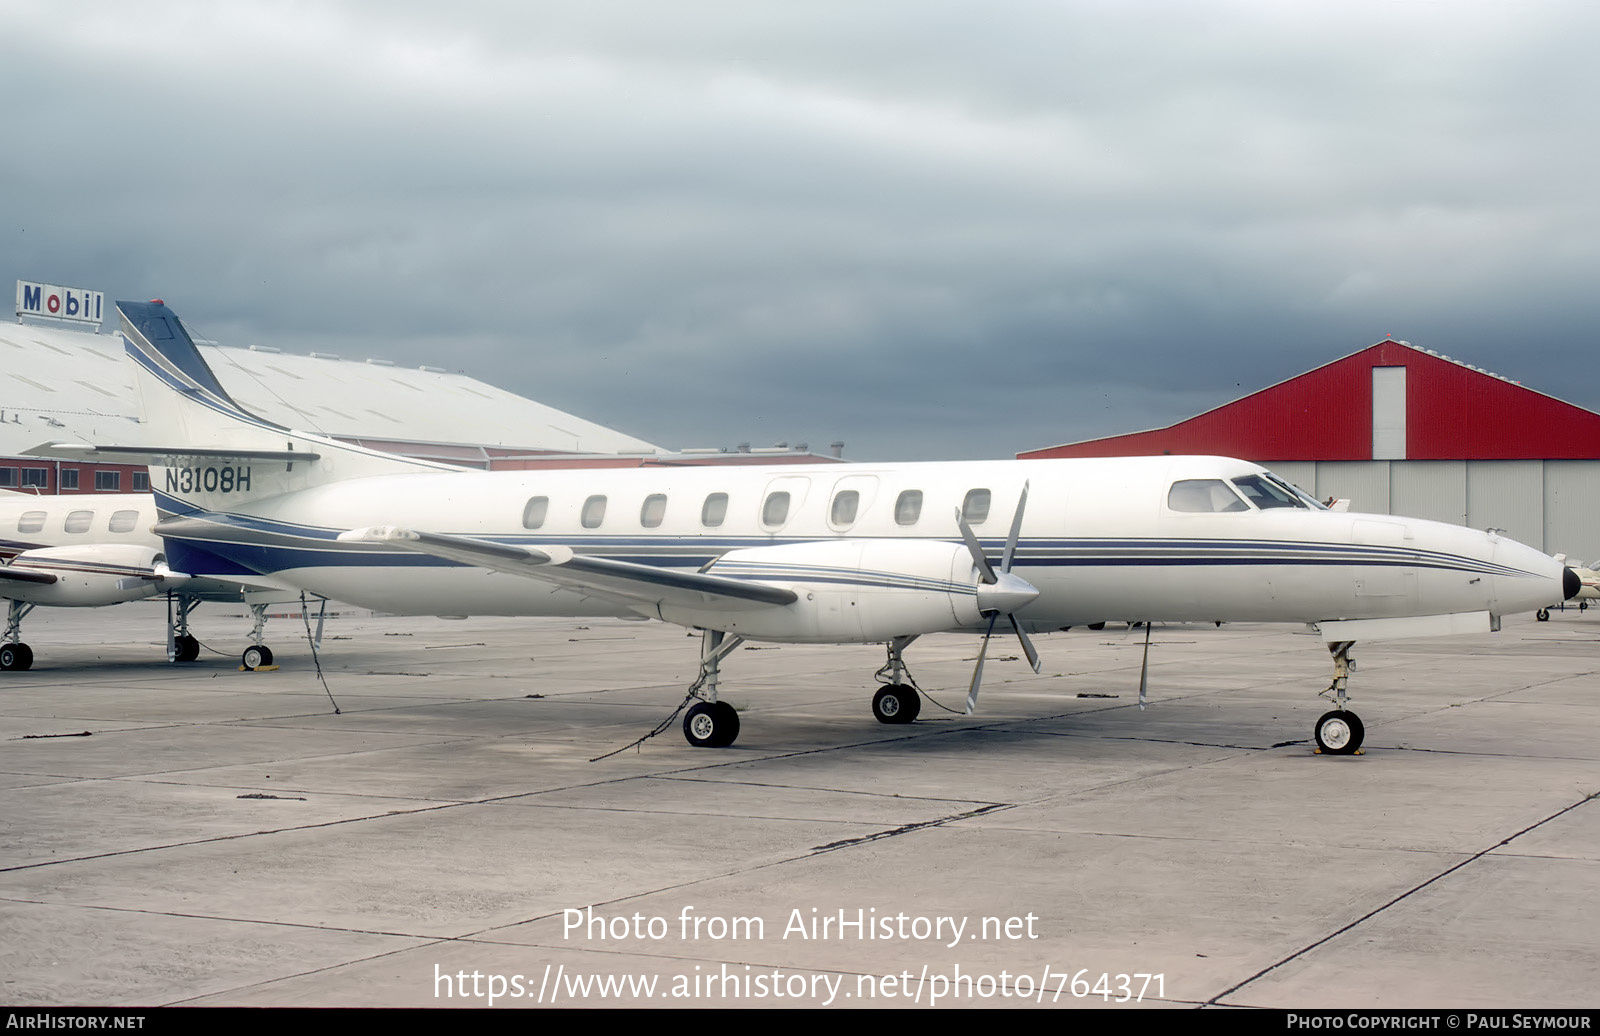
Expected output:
{"points": [[207, 450]]}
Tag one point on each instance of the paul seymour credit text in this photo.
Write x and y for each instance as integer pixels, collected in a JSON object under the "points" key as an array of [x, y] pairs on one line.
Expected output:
{"points": [[923, 983]]}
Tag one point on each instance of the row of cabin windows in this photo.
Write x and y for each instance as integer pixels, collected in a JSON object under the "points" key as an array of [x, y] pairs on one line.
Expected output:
{"points": [[39, 478], [78, 521], [774, 509]]}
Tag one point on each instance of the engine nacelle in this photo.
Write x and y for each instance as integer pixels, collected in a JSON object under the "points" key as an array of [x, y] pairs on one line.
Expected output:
{"points": [[851, 591], [89, 576]]}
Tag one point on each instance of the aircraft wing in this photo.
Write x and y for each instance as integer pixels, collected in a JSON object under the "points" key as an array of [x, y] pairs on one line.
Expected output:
{"points": [[603, 577], [23, 575]]}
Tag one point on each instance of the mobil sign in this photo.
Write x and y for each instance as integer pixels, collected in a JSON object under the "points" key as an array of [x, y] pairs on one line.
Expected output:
{"points": [[53, 300]]}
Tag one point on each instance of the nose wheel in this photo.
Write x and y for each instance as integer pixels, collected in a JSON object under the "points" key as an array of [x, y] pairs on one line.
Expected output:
{"points": [[1340, 732]]}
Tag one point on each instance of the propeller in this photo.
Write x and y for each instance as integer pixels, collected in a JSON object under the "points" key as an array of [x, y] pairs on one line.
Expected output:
{"points": [[999, 593]]}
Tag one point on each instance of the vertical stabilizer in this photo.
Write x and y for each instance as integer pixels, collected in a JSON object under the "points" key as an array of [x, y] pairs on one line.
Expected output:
{"points": [[217, 454]]}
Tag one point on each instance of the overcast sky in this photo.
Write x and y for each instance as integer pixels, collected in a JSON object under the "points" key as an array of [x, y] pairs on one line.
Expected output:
{"points": [[930, 229]]}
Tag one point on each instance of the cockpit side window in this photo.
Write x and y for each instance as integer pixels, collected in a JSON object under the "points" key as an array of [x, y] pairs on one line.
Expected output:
{"points": [[1265, 493], [1203, 496]]}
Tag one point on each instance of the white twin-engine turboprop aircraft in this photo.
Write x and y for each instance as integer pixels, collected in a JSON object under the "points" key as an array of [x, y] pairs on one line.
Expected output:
{"points": [[813, 554], [95, 550]]}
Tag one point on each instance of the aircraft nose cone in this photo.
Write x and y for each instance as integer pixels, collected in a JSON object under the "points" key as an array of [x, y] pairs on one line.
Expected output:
{"points": [[1008, 593], [1570, 584]]}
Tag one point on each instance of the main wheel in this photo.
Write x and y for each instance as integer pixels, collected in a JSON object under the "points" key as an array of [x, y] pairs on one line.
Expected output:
{"points": [[1543, 615], [185, 648], [711, 724], [896, 703], [15, 658], [256, 655], [1340, 732]]}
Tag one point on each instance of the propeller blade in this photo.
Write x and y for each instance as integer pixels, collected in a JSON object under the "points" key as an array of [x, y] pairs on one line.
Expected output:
{"points": [[977, 672], [985, 570], [1027, 645], [1016, 530], [1144, 667]]}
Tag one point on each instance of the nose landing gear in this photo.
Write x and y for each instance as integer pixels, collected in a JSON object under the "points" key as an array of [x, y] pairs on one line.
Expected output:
{"points": [[1341, 731]]}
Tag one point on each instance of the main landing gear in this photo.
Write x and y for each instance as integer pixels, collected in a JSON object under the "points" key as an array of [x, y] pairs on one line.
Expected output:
{"points": [[898, 700], [257, 655], [1341, 731], [710, 723], [181, 644], [15, 656]]}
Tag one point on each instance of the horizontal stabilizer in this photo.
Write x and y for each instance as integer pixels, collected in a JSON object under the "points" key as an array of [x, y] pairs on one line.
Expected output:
{"points": [[160, 456], [603, 577]]}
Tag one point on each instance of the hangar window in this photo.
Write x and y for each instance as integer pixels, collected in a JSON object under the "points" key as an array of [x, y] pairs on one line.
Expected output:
{"points": [[844, 509], [776, 510], [31, 521], [908, 507], [1265, 493], [35, 478], [714, 510], [1203, 496], [78, 521], [108, 481], [533, 514], [124, 521], [141, 481], [975, 508], [8, 478], [69, 478], [653, 511], [594, 512]]}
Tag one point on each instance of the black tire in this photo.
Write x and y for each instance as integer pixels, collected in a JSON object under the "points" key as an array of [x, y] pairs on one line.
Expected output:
{"points": [[185, 648], [711, 724], [256, 656], [1340, 732], [896, 703], [1543, 615], [15, 658]]}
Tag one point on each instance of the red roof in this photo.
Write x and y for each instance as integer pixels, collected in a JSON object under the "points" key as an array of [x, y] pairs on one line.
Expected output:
{"points": [[1453, 412]]}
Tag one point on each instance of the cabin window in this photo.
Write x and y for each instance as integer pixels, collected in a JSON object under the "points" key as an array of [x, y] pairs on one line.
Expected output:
{"points": [[975, 508], [108, 481], [1203, 496], [69, 478], [908, 507], [653, 511], [78, 521], [714, 511], [31, 521], [35, 478], [594, 512], [124, 521], [844, 507], [1265, 493], [776, 510], [534, 512]]}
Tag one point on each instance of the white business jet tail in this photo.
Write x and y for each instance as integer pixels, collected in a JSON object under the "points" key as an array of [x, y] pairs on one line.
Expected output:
{"points": [[205, 450]]}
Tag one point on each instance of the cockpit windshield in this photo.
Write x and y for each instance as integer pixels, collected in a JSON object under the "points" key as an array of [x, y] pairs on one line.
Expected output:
{"points": [[1310, 501], [1267, 492], [1203, 495]]}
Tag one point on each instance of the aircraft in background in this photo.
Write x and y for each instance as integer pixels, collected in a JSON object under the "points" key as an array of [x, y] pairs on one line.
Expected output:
{"points": [[865, 554], [92, 551]]}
